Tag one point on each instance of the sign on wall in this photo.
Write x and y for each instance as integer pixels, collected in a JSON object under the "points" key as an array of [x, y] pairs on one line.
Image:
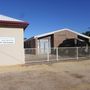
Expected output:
{"points": [[7, 40]]}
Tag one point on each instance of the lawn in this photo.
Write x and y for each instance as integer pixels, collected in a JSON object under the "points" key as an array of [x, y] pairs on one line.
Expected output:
{"points": [[71, 75]]}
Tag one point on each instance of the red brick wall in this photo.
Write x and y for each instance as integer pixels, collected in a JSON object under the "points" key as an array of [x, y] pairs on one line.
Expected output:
{"points": [[59, 37]]}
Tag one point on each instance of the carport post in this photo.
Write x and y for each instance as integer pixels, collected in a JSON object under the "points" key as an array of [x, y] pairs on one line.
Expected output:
{"points": [[77, 52], [57, 53], [48, 55]]}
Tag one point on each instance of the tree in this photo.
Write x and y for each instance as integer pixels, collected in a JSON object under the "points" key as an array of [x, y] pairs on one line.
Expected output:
{"points": [[25, 39], [87, 33]]}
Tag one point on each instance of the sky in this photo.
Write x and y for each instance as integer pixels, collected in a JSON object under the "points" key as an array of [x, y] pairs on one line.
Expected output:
{"points": [[48, 15]]}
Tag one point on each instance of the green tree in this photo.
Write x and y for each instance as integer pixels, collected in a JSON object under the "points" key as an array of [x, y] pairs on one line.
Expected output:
{"points": [[87, 33], [25, 38]]}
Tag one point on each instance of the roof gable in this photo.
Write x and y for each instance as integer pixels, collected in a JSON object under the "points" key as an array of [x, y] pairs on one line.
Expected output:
{"points": [[65, 29]]}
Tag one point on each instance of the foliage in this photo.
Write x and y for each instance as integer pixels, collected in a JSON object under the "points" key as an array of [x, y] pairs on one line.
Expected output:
{"points": [[87, 33]]}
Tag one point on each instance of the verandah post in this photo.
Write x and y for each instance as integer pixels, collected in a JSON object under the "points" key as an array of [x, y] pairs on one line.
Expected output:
{"points": [[57, 53], [77, 52], [48, 55]]}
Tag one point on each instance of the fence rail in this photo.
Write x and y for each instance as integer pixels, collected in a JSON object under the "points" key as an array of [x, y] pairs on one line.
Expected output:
{"points": [[56, 54]]}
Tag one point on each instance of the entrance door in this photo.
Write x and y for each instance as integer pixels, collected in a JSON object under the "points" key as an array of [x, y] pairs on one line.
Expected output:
{"points": [[43, 46]]}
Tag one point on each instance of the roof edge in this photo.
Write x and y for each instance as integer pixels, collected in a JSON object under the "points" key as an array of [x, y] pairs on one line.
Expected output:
{"points": [[13, 24], [46, 34]]}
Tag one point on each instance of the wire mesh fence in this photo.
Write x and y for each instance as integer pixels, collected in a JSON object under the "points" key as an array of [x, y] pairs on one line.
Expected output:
{"points": [[56, 54]]}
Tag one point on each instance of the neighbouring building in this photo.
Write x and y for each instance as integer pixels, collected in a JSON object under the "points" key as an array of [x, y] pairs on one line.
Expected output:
{"points": [[60, 38], [11, 41]]}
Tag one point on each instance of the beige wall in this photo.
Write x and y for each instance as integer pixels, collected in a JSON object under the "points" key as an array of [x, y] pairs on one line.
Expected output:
{"points": [[12, 54]]}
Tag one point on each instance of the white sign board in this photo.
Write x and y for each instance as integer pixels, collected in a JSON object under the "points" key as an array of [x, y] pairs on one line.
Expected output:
{"points": [[7, 40]]}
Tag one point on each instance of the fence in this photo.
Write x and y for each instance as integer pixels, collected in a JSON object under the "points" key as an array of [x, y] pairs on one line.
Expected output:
{"points": [[56, 54]]}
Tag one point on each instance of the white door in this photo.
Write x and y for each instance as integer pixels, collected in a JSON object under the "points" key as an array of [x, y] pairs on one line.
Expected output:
{"points": [[43, 46]]}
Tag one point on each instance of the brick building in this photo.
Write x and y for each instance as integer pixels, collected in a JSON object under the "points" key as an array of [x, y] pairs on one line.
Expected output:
{"points": [[59, 38]]}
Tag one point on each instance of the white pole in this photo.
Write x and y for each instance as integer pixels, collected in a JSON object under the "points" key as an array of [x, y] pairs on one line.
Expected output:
{"points": [[57, 53], [77, 52], [48, 55]]}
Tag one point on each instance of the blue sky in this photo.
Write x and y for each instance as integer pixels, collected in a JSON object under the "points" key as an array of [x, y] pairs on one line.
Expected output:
{"points": [[49, 15]]}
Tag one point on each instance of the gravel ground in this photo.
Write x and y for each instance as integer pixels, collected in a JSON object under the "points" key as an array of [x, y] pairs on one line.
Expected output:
{"points": [[73, 75]]}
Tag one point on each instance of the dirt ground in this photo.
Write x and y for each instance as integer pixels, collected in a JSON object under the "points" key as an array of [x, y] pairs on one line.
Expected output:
{"points": [[54, 76]]}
